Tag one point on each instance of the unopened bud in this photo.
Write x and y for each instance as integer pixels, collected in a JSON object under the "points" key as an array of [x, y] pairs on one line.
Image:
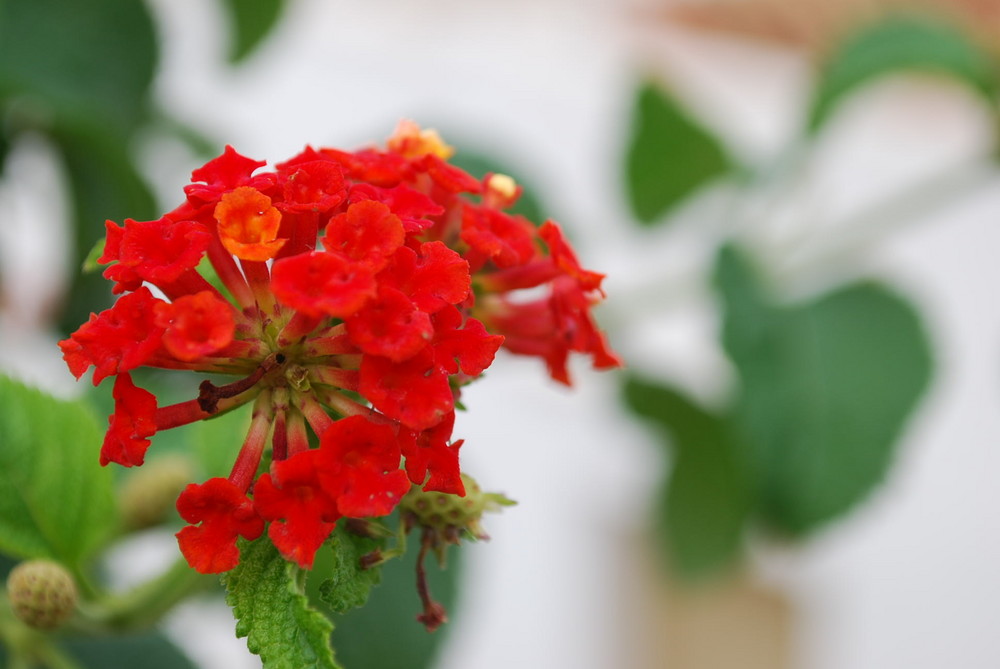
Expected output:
{"points": [[150, 493], [42, 593], [452, 514]]}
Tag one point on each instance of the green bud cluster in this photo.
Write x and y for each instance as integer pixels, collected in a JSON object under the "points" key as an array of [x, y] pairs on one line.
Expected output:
{"points": [[452, 513], [150, 493], [42, 593]]}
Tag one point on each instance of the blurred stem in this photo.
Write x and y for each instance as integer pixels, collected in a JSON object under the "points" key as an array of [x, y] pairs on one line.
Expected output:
{"points": [[27, 647], [874, 223], [146, 604]]}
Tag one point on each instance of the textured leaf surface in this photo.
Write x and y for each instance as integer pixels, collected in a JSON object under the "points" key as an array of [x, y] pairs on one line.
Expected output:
{"points": [[384, 633], [55, 499], [903, 43], [706, 502], [266, 595], [349, 585], [669, 156], [827, 386]]}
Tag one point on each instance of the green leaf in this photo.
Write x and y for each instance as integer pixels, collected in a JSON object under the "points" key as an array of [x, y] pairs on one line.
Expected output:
{"points": [[55, 499], [266, 594], [902, 43], [669, 156], [149, 651], [704, 507], [251, 21], [827, 387], [105, 184], [371, 637], [92, 59], [349, 585]]}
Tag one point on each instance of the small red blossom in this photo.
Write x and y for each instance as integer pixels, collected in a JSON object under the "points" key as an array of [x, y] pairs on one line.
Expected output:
{"points": [[368, 233], [352, 295], [359, 460], [248, 224], [431, 461], [415, 391], [195, 325], [224, 513], [117, 340], [322, 283], [301, 511], [390, 326], [131, 425]]}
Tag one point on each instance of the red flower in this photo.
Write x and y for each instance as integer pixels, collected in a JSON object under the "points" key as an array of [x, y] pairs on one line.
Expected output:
{"points": [[224, 513], [248, 224], [359, 463], [351, 295], [431, 461], [301, 511], [195, 325], [320, 283], [117, 340], [131, 425]]}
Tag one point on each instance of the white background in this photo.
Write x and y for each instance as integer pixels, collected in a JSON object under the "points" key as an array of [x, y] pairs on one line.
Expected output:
{"points": [[909, 580]]}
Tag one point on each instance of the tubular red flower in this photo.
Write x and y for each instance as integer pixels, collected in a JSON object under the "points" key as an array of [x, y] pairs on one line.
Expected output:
{"points": [[390, 326], [416, 391], [368, 233], [117, 340], [431, 461], [131, 425], [301, 512], [195, 325], [496, 237], [224, 513], [359, 460], [248, 224], [321, 283]]}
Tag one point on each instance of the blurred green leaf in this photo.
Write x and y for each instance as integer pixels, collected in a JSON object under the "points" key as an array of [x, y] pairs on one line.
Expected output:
{"points": [[251, 21], [91, 59], [706, 502], [105, 184], [217, 440], [669, 156], [55, 499], [827, 387], [902, 43], [348, 585], [272, 612], [149, 651]]}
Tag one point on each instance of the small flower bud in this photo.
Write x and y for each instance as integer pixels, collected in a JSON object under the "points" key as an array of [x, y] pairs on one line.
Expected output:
{"points": [[42, 593], [451, 513], [150, 493]]}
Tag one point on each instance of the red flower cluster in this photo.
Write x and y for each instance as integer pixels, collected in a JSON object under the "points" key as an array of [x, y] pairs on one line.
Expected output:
{"points": [[352, 294]]}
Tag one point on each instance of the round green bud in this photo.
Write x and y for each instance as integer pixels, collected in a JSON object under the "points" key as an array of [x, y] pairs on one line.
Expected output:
{"points": [[42, 593], [149, 494]]}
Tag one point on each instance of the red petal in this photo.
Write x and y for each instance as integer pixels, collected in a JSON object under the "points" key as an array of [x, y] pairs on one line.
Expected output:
{"points": [[321, 283], [129, 427]]}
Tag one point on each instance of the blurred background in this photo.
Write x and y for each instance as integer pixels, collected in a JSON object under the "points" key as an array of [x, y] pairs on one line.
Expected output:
{"points": [[796, 204]]}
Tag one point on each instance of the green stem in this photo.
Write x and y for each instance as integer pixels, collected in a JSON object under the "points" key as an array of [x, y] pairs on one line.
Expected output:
{"points": [[146, 604], [27, 647]]}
